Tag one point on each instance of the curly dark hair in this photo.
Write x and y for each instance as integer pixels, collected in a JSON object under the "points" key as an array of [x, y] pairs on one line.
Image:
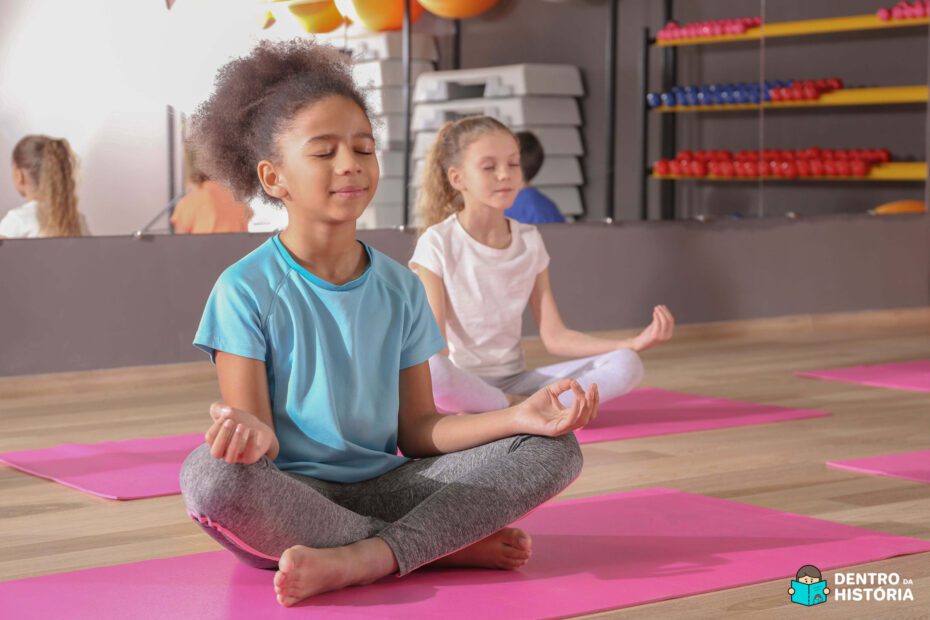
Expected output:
{"points": [[255, 97]]}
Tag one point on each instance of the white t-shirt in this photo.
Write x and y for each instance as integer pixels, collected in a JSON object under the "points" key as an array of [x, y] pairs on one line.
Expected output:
{"points": [[23, 222], [486, 292]]}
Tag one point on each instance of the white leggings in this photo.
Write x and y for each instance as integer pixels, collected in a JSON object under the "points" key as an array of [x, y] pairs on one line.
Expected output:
{"points": [[456, 390]]}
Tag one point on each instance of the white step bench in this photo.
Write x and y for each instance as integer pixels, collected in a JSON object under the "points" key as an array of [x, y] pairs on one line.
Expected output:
{"points": [[512, 111], [391, 191], [382, 73], [387, 100], [383, 45], [555, 140], [391, 163], [386, 215], [505, 81], [389, 132], [559, 171]]}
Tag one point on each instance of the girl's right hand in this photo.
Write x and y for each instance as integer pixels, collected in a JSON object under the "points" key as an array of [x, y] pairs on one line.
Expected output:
{"points": [[237, 436]]}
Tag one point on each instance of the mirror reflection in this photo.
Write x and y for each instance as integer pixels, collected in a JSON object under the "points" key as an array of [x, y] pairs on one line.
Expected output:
{"points": [[739, 110]]}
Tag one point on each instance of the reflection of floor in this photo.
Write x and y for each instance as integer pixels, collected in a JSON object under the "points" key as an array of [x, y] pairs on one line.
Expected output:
{"points": [[47, 528]]}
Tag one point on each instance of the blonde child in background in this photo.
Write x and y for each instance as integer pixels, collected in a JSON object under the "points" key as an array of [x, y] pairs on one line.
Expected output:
{"points": [[481, 269], [44, 173]]}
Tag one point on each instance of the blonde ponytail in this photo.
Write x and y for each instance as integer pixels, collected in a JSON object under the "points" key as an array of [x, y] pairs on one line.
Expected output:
{"points": [[437, 199], [51, 167]]}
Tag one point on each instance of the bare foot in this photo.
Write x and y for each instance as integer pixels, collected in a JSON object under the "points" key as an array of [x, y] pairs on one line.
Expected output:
{"points": [[506, 549], [515, 399], [305, 571]]}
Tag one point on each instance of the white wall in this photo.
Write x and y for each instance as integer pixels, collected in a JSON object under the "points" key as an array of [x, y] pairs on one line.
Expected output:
{"points": [[100, 73]]}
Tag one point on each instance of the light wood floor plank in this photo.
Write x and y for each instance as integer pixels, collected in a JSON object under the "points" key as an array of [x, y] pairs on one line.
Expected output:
{"points": [[46, 528]]}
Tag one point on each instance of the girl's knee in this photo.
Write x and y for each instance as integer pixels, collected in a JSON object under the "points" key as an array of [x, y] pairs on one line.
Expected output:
{"points": [[569, 456], [628, 365], [208, 483], [561, 458]]}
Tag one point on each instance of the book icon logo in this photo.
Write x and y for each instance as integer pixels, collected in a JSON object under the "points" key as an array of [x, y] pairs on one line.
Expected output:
{"points": [[808, 588]]}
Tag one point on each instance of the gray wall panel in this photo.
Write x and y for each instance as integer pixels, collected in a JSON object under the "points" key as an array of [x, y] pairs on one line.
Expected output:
{"points": [[78, 304]]}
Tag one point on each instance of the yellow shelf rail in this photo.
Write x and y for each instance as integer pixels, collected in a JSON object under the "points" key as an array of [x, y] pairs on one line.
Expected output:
{"points": [[886, 95], [803, 28], [892, 171]]}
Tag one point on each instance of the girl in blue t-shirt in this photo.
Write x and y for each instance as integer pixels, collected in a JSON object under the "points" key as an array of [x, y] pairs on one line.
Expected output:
{"points": [[321, 346]]}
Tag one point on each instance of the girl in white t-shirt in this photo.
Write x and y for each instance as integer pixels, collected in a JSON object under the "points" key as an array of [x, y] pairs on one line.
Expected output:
{"points": [[44, 171], [480, 269]]}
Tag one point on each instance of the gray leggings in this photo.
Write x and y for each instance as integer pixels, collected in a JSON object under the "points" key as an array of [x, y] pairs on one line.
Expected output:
{"points": [[424, 509]]}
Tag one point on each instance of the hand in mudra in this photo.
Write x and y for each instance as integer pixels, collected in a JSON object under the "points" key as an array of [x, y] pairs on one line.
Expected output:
{"points": [[237, 436], [658, 332], [543, 414]]}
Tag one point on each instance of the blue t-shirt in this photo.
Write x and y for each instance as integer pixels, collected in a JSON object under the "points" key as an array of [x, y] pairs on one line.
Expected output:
{"points": [[531, 206], [333, 355]]}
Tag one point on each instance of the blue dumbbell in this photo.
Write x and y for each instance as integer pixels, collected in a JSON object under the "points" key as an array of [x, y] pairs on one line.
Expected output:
{"points": [[654, 100]]}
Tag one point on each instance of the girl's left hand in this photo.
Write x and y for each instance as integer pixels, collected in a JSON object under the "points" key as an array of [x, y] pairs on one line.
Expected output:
{"points": [[543, 414], [659, 331]]}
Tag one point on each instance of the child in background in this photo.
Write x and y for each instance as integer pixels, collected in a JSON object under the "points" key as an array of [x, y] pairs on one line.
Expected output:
{"points": [[321, 346], [531, 206], [44, 173], [480, 270], [207, 207]]}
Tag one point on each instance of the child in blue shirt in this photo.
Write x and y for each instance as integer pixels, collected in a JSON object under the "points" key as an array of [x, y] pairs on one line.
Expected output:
{"points": [[327, 459], [531, 206]]}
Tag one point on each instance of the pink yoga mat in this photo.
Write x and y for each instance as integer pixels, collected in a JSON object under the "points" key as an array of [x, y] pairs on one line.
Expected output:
{"points": [[589, 555], [651, 411], [130, 469], [908, 465], [913, 376]]}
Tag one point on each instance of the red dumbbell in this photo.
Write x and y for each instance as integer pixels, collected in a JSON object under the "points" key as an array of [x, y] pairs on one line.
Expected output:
{"points": [[858, 168]]}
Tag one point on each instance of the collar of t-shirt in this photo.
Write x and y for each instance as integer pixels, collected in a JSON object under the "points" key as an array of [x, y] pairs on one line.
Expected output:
{"points": [[481, 247], [315, 279]]}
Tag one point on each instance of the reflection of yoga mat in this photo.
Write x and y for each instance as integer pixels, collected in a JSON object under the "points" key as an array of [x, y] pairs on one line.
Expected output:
{"points": [[589, 555], [908, 465], [650, 411], [913, 376], [130, 469]]}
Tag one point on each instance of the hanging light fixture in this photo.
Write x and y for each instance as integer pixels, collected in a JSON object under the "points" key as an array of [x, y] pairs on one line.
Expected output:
{"points": [[379, 15], [457, 9]]}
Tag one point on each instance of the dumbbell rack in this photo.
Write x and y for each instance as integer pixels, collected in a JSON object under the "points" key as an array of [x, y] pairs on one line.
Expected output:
{"points": [[894, 171]]}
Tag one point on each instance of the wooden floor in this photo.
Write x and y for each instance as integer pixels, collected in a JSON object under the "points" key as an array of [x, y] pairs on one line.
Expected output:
{"points": [[47, 528]]}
